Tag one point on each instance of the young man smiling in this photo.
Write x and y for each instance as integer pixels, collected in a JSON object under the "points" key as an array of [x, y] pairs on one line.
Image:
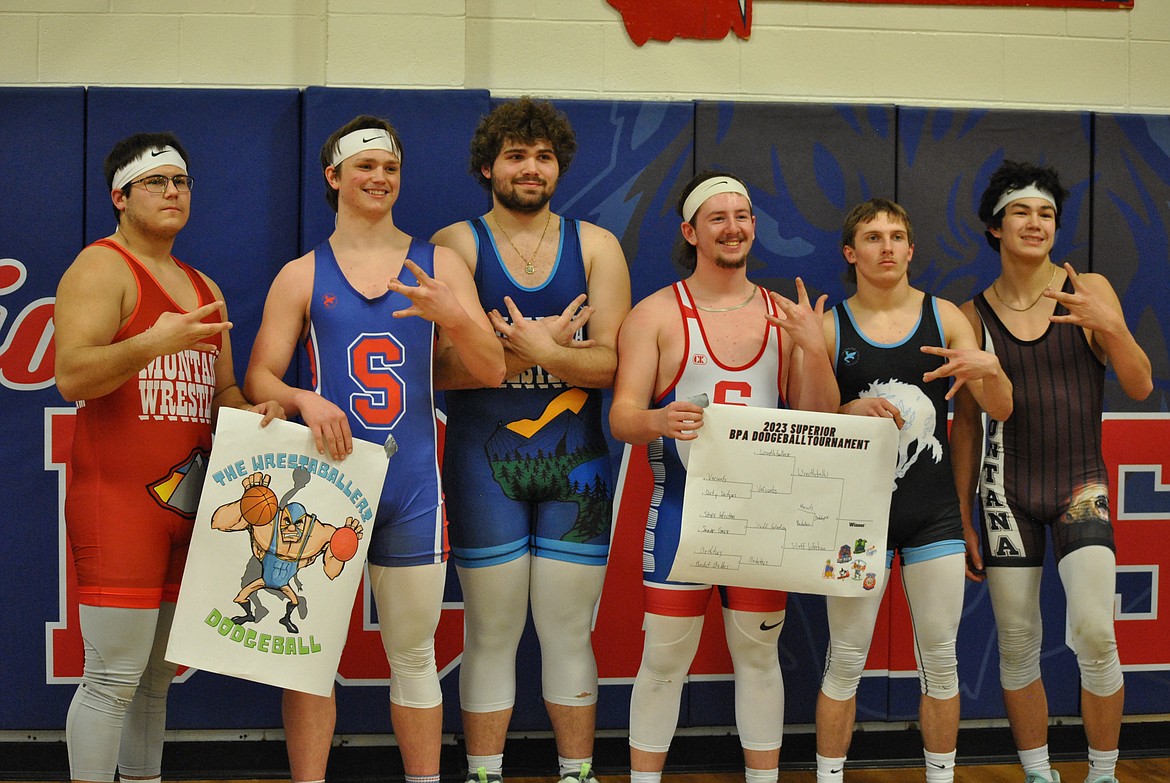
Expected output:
{"points": [[366, 304], [715, 334], [556, 291], [1054, 330]]}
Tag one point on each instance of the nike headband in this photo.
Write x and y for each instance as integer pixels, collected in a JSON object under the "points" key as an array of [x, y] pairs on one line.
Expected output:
{"points": [[712, 186], [150, 158], [1028, 191], [364, 139]]}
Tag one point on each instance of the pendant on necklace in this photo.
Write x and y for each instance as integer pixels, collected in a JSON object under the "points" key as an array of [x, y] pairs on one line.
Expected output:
{"points": [[529, 268]]}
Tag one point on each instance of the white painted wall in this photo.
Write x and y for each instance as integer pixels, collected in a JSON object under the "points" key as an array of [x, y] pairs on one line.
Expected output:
{"points": [[799, 50]]}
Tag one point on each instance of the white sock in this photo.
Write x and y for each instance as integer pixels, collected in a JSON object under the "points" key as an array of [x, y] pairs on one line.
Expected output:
{"points": [[573, 766], [761, 775], [830, 770], [940, 767], [1102, 763], [492, 765], [1036, 760], [645, 777], [422, 778]]}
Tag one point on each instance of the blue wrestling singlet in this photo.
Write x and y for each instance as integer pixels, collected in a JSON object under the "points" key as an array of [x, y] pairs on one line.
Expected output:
{"points": [[526, 464], [378, 369]]}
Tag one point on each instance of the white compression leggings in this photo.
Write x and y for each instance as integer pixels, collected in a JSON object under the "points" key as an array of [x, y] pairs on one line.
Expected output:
{"points": [[1089, 578], [118, 715], [495, 602], [410, 601], [934, 591], [670, 647]]}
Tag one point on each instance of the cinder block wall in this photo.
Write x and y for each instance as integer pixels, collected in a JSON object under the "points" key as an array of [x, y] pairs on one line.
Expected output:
{"points": [[806, 51]]}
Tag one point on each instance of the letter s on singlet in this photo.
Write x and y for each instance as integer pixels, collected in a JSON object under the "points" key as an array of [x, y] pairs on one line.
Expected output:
{"points": [[372, 359]]}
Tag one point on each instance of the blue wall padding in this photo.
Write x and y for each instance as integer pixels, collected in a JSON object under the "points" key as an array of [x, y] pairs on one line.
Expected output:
{"points": [[258, 203]]}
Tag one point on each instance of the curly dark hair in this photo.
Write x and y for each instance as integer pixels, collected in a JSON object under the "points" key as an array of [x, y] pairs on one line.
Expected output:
{"points": [[357, 123], [1012, 175], [526, 121], [130, 148]]}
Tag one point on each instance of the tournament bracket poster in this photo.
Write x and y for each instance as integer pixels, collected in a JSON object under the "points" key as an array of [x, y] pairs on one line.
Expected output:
{"points": [[787, 500], [276, 556]]}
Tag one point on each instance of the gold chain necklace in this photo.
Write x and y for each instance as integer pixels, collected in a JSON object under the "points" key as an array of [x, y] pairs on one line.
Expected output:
{"points": [[1010, 306], [528, 267], [744, 303]]}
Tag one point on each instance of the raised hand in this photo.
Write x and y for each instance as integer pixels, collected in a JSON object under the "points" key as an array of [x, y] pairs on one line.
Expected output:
{"points": [[431, 299], [800, 319], [1092, 305], [962, 364], [176, 332]]}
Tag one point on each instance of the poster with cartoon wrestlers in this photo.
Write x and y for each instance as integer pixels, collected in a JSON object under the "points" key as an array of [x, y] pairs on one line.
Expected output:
{"points": [[276, 556]]}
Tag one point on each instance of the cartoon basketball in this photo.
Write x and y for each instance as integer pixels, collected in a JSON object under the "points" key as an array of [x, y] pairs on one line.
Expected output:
{"points": [[258, 506], [344, 543]]}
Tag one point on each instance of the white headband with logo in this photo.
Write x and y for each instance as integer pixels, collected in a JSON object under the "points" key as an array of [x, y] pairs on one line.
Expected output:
{"points": [[150, 158], [364, 139], [1028, 191], [712, 186]]}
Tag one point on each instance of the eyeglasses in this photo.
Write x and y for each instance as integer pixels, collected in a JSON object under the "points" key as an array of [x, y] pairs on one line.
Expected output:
{"points": [[157, 183]]}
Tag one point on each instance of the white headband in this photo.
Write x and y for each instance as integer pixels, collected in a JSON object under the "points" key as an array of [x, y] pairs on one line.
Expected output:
{"points": [[364, 139], [1028, 191], [708, 188], [150, 158]]}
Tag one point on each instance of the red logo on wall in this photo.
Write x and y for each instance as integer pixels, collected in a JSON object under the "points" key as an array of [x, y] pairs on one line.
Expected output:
{"points": [[665, 20]]}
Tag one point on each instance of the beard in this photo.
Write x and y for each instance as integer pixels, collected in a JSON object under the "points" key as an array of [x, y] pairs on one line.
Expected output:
{"points": [[511, 199], [727, 263]]}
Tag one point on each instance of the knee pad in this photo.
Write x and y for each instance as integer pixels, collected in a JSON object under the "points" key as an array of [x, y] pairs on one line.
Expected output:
{"points": [[118, 650], [938, 670], [410, 600], [671, 643], [752, 639], [1089, 586], [670, 647], [934, 590], [1101, 671], [564, 597], [1015, 600], [495, 606], [414, 681], [851, 622]]}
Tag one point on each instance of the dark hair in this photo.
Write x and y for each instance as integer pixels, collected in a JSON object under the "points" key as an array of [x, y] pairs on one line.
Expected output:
{"points": [[330, 146], [525, 121], [1012, 175], [130, 148], [684, 254], [864, 213]]}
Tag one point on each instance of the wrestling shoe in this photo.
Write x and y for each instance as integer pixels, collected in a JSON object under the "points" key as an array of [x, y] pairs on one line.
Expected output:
{"points": [[584, 776], [481, 775], [1036, 777], [1105, 779]]}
